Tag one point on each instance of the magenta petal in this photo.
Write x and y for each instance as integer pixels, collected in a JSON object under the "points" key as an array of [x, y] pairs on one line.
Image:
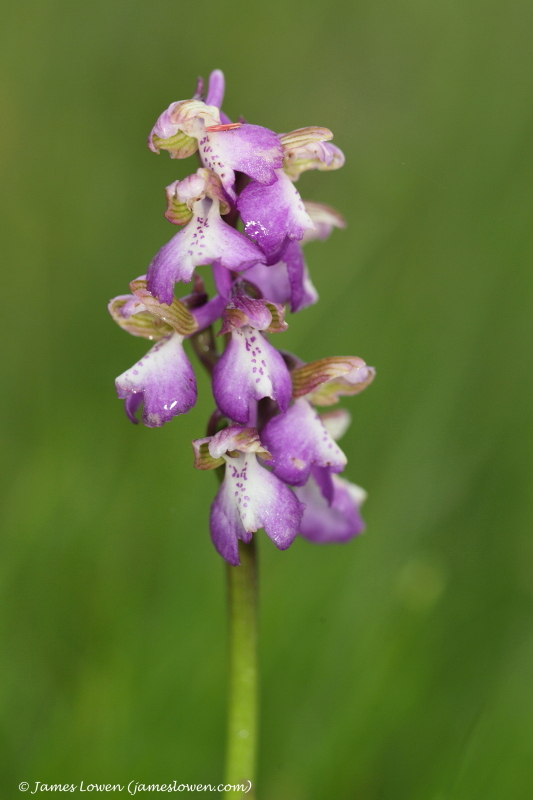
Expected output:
{"points": [[163, 379], [225, 526], [205, 239], [303, 293], [287, 281], [215, 89], [248, 370], [207, 314], [222, 279], [280, 512], [273, 215], [272, 282], [323, 523], [251, 498], [298, 440], [131, 404], [251, 149], [324, 479]]}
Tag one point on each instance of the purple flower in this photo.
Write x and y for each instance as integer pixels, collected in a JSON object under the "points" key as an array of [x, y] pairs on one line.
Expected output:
{"points": [[288, 281], [298, 440], [250, 172], [163, 379], [223, 147], [273, 215], [250, 368], [204, 239], [250, 497], [336, 519], [251, 149]]}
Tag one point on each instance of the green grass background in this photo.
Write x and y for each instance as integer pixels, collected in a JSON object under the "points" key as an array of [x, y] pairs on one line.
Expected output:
{"points": [[397, 667]]}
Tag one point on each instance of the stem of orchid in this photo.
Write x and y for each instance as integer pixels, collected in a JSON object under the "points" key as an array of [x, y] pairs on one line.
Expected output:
{"points": [[243, 672]]}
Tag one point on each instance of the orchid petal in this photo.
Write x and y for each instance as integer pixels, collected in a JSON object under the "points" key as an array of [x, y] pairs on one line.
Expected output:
{"points": [[303, 292], [337, 521], [208, 313], [323, 381], [235, 437], [164, 379], [205, 239], [222, 279], [179, 127], [250, 498], [272, 282], [174, 314], [273, 215], [243, 310], [325, 218], [215, 89], [251, 149], [248, 370], [303, 137], [134, 317], [298, 440], [202, 457], [257, 313], [316, 154], [287, 281]]}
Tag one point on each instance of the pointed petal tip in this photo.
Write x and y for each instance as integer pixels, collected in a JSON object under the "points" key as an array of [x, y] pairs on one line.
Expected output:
{"points": [[216, 88]]}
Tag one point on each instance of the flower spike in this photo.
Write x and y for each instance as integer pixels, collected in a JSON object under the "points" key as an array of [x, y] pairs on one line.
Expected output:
{"points": [[280, 458]]}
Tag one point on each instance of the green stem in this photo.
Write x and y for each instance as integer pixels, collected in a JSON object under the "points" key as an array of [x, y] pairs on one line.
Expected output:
{"points": [[242, 713]]}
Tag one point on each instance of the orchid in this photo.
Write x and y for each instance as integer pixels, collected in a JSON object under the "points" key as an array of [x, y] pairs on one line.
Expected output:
{"points": [[275, 452], [288, 281], [224, 147], [250, 368], [250, 496], [204, 239], [275, 215]]}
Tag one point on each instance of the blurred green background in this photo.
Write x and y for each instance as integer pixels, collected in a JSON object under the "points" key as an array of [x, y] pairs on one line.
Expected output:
{"points": [[397, 666]]}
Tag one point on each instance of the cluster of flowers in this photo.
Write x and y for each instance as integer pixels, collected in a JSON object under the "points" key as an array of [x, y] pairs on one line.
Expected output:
{"points": [[265, 428]]}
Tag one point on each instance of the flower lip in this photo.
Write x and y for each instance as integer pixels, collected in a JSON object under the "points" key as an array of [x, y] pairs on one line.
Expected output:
{"points": [[249, 369], [205, 239], [298, 440], [273, 215], [163, 379], [336, 519], [250, 497]]}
